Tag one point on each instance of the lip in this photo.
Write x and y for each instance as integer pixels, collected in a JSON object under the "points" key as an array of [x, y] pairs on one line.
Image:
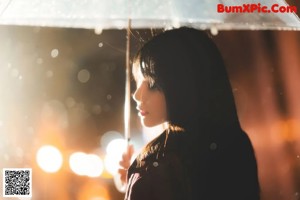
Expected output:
{"points": [[142, 112]]}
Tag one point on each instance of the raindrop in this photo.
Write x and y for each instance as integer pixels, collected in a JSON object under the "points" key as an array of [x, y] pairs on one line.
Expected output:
{"points": [[70, 102], [14, 73], [108, 97], [83, 76], [214, 30], [54, 53], [98, 30], [39, 61], [100, 44], [49, 74], [298, 156], [96, 109]]}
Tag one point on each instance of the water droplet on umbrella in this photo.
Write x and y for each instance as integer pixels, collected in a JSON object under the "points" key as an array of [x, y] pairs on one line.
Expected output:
{"points": [[54, 53], [83, 76], [100, 44], [214, 30], [98, 30]]}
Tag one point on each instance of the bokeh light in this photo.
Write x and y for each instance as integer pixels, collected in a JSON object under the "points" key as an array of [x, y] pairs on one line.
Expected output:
{"points": [[95, 165], [83, 76], [114, 151], [108, 137], [86, 164], [76, 164], [54, 53], [116, 147], [49, 158]]}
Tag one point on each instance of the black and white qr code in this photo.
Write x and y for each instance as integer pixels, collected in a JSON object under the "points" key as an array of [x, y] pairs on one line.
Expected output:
{"points": [[17, 182]]}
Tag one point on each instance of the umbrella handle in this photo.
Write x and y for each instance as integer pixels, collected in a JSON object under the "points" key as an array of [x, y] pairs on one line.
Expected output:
{"points": [[127, 87], [121, 187]]}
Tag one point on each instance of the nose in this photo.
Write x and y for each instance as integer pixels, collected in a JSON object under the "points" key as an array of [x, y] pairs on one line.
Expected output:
{"points": [[137, 95]]}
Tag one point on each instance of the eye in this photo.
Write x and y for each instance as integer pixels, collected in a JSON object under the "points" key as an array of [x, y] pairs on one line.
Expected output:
{"points": [[153, 86]]}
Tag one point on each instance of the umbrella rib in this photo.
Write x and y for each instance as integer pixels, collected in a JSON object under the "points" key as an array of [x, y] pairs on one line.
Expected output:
{"points": [[5, 7]]}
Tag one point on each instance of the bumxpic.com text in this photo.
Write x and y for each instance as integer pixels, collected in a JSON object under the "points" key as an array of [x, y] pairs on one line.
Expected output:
{"points": [[251, 8]]}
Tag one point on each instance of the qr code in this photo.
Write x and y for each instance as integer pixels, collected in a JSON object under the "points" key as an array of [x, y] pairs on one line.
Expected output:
{"points": [[17, 182]]}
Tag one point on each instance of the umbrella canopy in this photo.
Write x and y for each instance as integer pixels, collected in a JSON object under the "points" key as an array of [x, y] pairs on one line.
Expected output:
{"points": [[156, 14]]}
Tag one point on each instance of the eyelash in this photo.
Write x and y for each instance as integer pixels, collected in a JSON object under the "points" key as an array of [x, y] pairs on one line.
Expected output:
{"points": [[153, 86]]}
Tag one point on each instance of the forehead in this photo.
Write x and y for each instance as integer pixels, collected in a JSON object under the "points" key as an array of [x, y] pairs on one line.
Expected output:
{"points": [[137, 73]]}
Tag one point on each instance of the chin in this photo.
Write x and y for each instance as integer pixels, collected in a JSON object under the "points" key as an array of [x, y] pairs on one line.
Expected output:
{"points": [[150, 124]]}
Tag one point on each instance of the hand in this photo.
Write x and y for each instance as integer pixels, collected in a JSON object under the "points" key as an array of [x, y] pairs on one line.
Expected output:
{"points": [[125, 163]]}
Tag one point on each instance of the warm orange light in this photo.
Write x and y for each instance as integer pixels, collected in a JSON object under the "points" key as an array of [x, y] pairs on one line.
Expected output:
{"points": [[49, 158], [86, 164], [114, 151], [93, 191]]}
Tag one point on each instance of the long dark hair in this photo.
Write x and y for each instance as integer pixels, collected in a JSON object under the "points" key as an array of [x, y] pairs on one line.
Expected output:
{"points": [[187, 67]]}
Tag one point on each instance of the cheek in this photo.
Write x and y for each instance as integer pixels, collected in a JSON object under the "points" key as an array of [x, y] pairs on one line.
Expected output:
{"points": [[161, 106]]}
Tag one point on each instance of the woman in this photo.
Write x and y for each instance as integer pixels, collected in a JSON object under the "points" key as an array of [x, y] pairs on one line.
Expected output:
{"points": [[203, 153]]}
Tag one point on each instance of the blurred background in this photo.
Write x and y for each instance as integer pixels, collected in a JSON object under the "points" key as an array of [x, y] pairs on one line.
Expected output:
{"points": [[62, 97]]}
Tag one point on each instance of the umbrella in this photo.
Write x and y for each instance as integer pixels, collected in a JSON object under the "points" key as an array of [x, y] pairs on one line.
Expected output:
{"points": [[156, 13]]}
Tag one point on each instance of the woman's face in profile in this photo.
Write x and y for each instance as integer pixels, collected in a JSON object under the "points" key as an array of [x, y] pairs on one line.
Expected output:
{"points": [[151, 102]]}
